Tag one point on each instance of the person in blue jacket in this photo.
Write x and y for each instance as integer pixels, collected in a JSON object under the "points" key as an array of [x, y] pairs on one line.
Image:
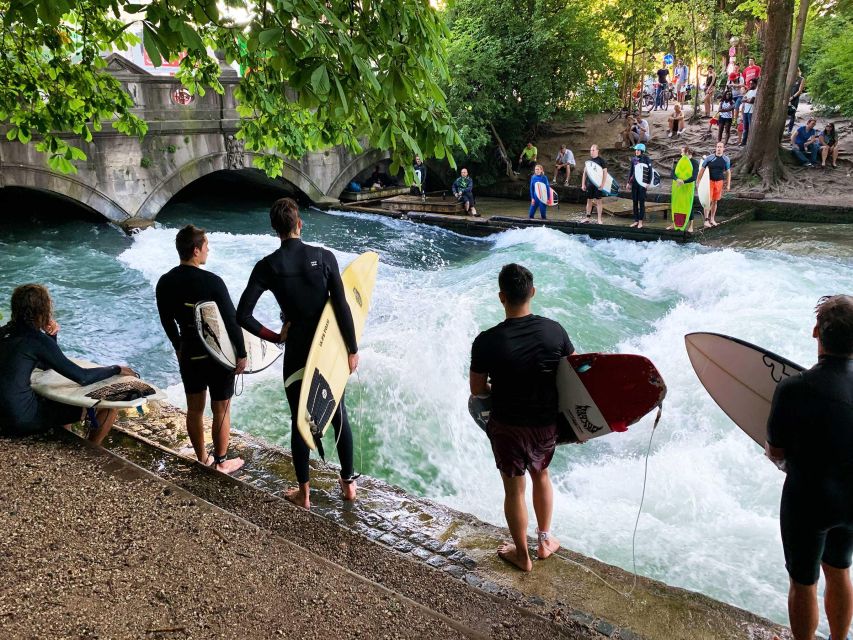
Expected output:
{"points": [[638, 191], [538, 176]]}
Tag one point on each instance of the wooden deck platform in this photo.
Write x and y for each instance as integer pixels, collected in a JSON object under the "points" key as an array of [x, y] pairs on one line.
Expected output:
{"points": [[375, 194], [624, 208], [405, 204]]}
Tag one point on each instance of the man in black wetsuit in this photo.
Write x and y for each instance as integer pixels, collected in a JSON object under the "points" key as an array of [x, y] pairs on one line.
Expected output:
{"points": [[178, 291], [810, 435], [302, 278], [29, 342], [516, 362]]}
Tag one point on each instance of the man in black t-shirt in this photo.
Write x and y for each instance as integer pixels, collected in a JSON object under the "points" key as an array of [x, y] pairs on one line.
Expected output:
{"points": [[810, 435], [516, 362], [594, 194], [663, 72], [177, 292]]}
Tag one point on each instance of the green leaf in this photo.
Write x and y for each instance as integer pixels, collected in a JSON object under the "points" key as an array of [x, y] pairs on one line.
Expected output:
{"points": [[320, 80], [191, 37], [269, 36], [24, 135], [341, 95], [150, 44]]}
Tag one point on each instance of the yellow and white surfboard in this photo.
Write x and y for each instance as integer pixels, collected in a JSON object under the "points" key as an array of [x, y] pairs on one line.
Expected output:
{"points": [[327, 368]]}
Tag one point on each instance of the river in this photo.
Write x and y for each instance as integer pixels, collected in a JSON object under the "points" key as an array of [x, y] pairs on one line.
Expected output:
{"points": [[710, 521]]}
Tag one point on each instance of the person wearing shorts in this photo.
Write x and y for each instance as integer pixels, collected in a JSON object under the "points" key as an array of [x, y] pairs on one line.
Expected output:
{"points": [[810, 437], [516, 363], [27, 342], [593, 193], [178, 291], [719, 168]]}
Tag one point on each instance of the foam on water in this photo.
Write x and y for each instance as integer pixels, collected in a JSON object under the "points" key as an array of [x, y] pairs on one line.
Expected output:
{"points": [[710, 521]]}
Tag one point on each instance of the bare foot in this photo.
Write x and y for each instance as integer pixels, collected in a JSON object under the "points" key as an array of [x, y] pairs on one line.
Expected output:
{"points": [[548, 545], [690, 230], [714, 223], [230, 466], [509, 553], [298, 497], [634, 224], [707, 225], [640, 226], [669, 228], [348, 489]]}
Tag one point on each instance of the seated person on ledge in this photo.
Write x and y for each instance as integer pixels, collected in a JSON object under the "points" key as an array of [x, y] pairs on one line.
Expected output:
{"points": [[463, 191], [28, 342]]}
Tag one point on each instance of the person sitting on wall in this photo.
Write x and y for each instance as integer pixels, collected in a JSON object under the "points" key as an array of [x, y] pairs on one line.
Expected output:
{"points": [[463, 191], [377, 180], [528, 157]]}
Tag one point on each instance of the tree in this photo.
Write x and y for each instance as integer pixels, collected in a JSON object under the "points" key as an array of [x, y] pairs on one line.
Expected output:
{"points": [[827, 57], [797, 43], [762, 151], [322, 73]]}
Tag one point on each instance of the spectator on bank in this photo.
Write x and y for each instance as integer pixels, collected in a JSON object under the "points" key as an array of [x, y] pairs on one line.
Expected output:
{"points": [[710, 86], [751, 72], [663, 72], [463, 191], [675, 122], [377, 179], [794, 101], [645, 130], [829, 145], [631, 133], [528, 157], [806, 140], [564, 161], [681, 73], [736, 86], [748, 106], [726, 114]]}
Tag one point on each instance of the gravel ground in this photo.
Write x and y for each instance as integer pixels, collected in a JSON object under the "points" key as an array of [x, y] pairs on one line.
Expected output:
{"points": [[87, 551]]}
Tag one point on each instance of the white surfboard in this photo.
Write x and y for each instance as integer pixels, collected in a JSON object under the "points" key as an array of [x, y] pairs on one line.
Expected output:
{"points": [[211, 328], [595, 174], [740, 377], [545, 194], [327, 368], [115, 392], [646, 176], [703, 190]]}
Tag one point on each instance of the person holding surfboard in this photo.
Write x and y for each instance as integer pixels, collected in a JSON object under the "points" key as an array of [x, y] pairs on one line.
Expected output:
{"points": [[719, 167], [683, 176], [28, 342], [593, 193], [638, 190], [303, 278], [540, 196], [177, 293], [516, 363], [420, 172], [810, 436]]}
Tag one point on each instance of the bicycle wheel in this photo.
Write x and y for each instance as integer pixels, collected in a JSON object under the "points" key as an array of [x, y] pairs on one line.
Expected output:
{"points": [[614, 115], [665, 99]]}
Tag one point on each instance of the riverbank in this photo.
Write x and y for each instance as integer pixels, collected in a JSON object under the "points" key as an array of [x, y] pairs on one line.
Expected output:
{"points": [[441, 559]]}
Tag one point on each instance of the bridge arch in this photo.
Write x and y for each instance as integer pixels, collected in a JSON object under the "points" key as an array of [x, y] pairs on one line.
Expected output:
{"points": [[66, 186], [211, 163], [356, 166]]}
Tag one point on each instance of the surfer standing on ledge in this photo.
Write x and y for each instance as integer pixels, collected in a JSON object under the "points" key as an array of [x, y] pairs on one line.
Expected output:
{"points": [[302, 278], [516, 362], [810, 435], [178, 291]]}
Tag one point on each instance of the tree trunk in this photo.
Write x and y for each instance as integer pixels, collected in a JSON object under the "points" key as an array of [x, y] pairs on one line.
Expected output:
{"points": [[797, 43], [695, 116], [771, 106]]}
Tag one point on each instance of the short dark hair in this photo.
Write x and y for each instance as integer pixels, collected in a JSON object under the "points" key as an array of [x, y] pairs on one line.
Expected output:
{"points": [[283, 216], [516, 283], [188, 240], [31, 306], [835, 324]]}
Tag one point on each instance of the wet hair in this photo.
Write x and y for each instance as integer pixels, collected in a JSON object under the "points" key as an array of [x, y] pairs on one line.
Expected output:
{"points": [[188, 240], [284, 216], [31, 306], [835, 324], [516, 284]]}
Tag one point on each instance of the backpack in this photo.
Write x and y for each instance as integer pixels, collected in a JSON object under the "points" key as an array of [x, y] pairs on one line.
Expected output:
{"points": [[355, 187]]}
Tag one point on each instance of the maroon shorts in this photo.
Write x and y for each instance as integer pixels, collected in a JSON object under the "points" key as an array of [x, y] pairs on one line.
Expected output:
{"points": [[519, 448]]}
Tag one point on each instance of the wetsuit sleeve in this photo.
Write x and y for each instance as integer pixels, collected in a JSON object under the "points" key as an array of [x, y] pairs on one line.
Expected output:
{"points": [[259, 282], [693, 175], [229, 317], [50, 356], [167, 315], [783, 414], [532, 197], [343, 314]]}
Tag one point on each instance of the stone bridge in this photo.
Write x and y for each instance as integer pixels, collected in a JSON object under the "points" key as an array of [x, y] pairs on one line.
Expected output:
{"points": [[127, 180]]}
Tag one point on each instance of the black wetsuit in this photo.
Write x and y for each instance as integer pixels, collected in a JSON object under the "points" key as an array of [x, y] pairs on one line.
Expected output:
{"points": [[178, 291], [812, 420], [22, 412], [302, 278]]}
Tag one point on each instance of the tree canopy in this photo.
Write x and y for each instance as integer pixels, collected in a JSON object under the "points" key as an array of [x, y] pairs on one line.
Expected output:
{"points": [[322, 73]]}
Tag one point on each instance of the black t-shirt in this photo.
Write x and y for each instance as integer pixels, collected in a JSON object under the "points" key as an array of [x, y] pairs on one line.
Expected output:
{"points": [[812, 420], [662, 74], [601, 162], [177, 292], [520, 356]]}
